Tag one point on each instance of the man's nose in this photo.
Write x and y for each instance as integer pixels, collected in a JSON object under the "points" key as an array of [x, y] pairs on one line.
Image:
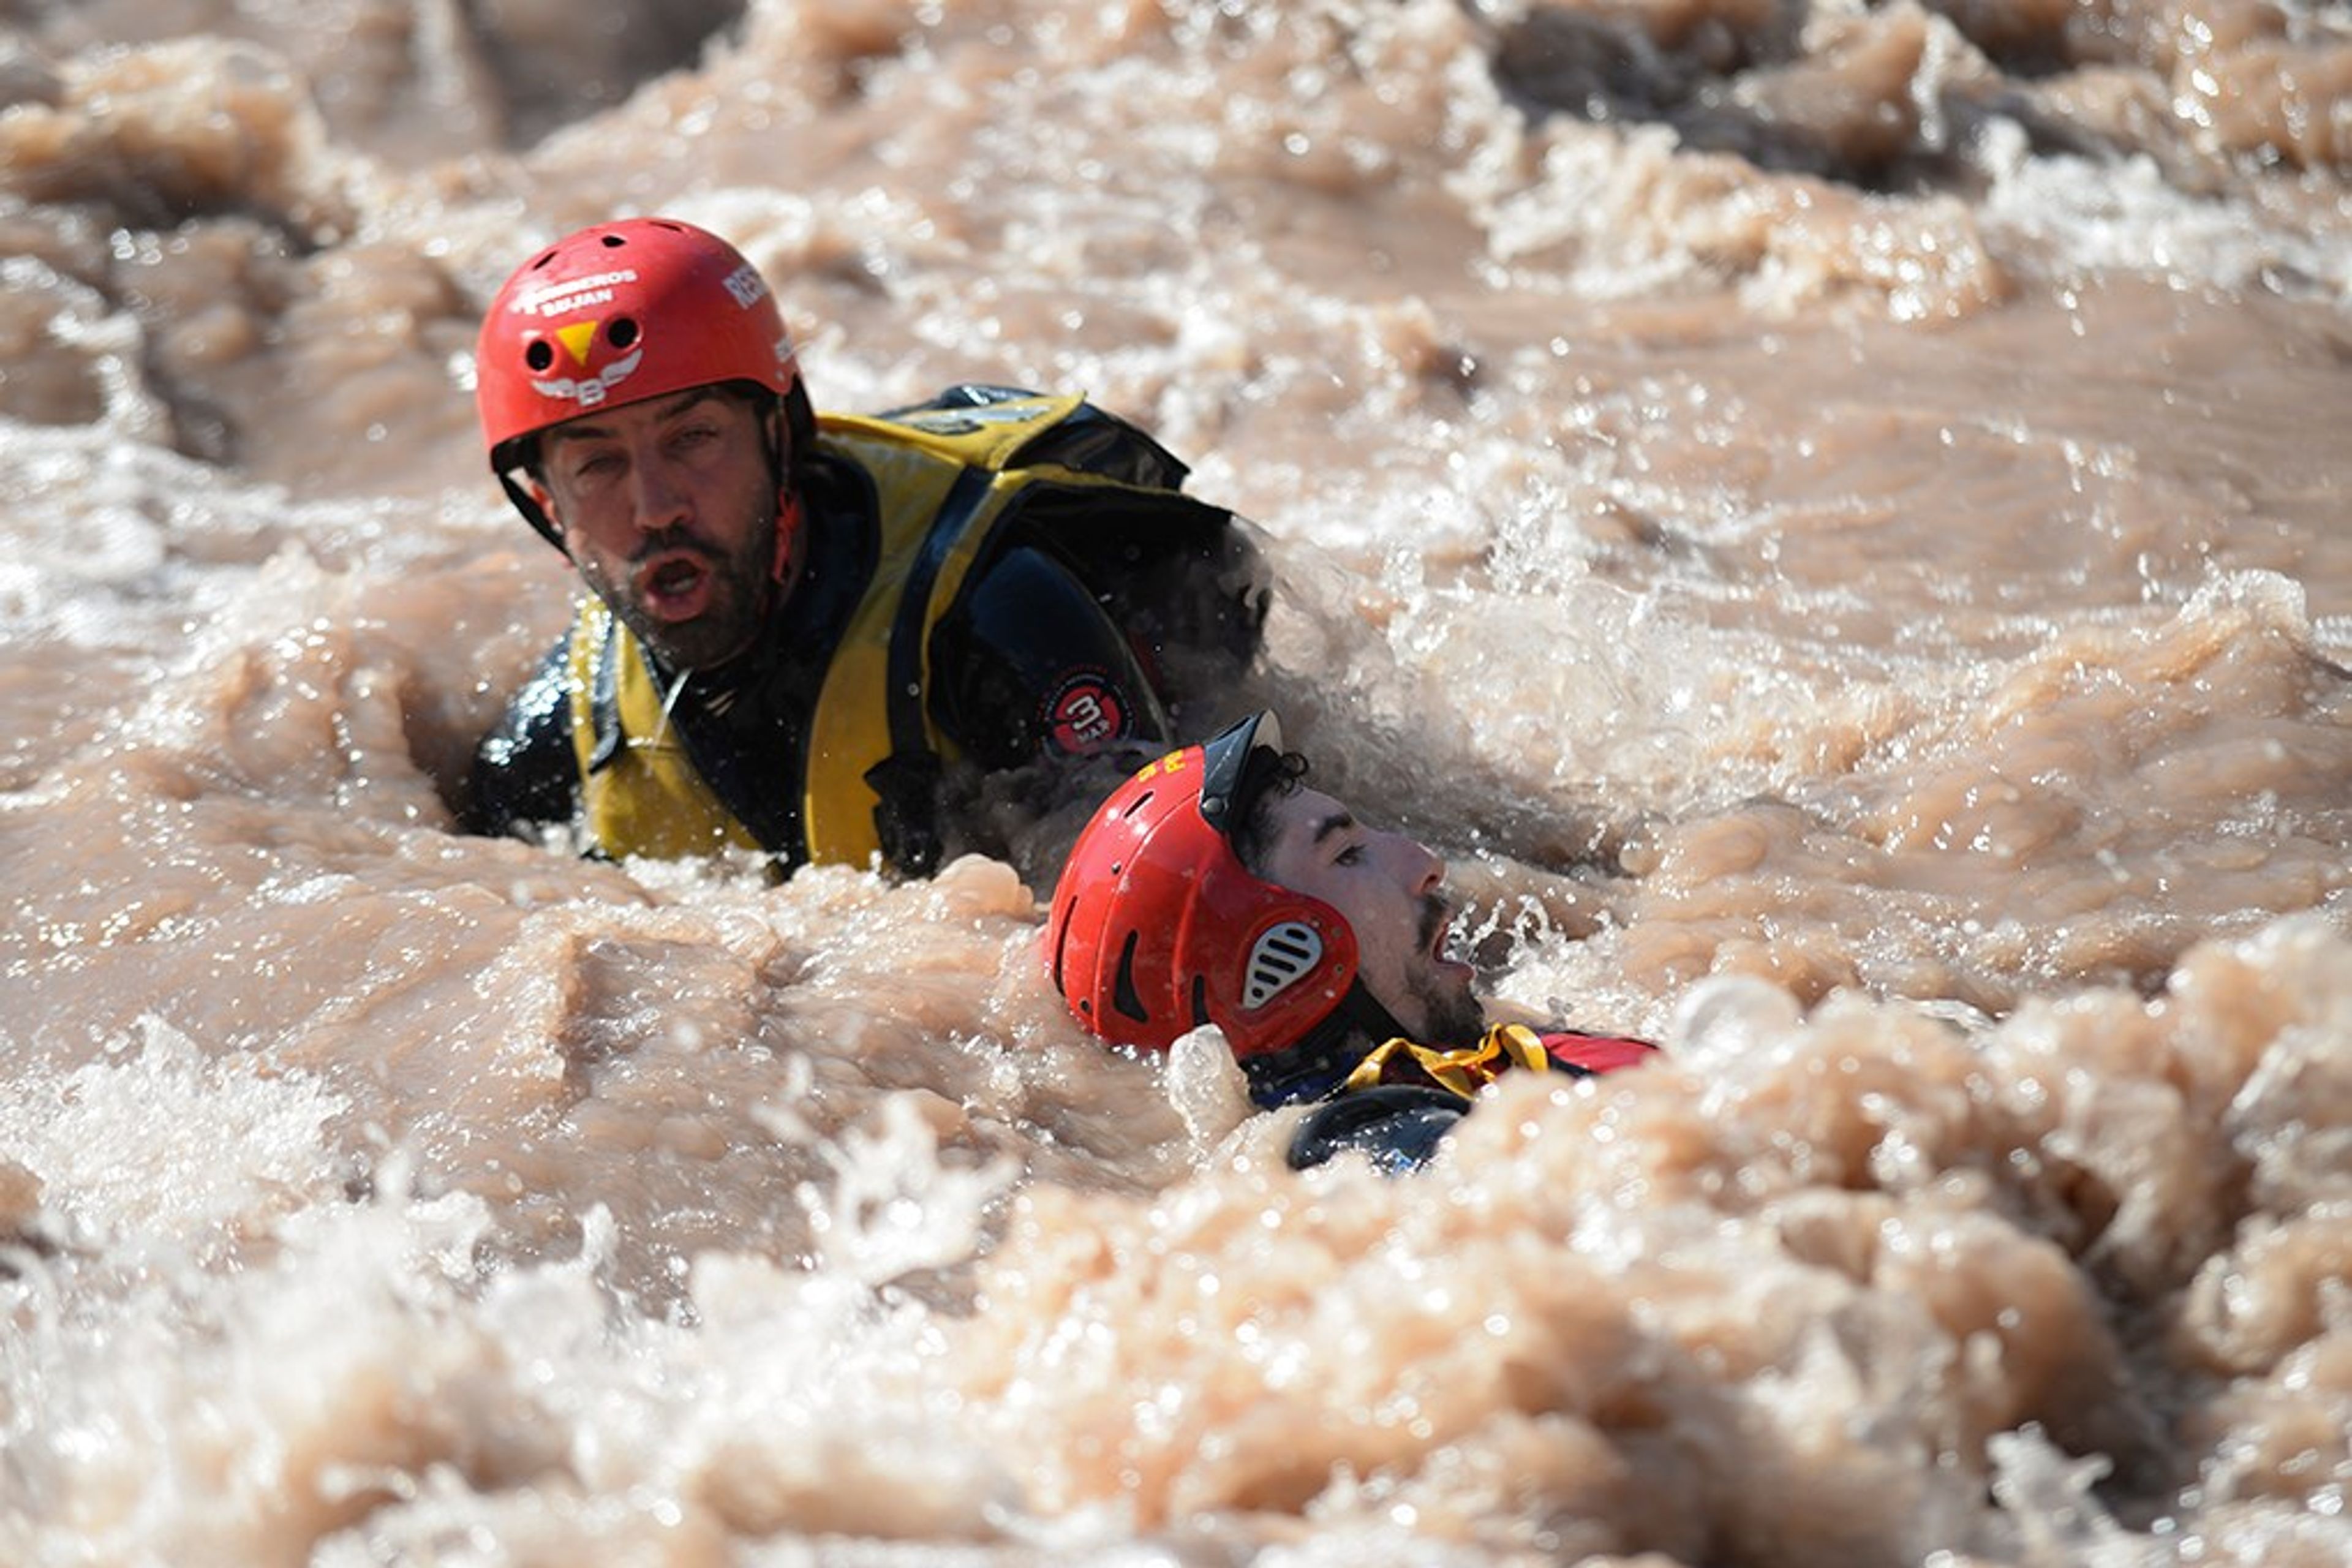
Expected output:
{"points": [[660, 500], [1424, 868]]}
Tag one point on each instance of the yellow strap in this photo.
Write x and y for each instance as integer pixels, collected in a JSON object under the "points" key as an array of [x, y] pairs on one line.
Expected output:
{"points": [[650, 799], [849, 730], [1465, 1070]]}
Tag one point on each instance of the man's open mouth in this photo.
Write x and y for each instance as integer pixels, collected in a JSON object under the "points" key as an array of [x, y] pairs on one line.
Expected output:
{"points": [[675, 586], [1437, 929]]}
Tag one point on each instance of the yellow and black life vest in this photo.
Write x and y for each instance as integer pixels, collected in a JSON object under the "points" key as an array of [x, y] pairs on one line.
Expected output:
{"points": [[946, 475]]}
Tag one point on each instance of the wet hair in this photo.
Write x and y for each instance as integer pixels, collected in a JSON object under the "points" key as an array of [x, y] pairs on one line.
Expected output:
{"points": [[1268, 776]]}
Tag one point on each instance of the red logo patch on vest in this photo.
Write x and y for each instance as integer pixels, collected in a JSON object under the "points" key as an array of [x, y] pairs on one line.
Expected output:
{"points": [[1084, 712]]}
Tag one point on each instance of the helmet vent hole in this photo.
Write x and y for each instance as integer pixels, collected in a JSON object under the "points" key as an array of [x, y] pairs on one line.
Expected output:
{"points": [[612, 241], [539, 356], [1281, 957], [623, 332], [1124, 997]]}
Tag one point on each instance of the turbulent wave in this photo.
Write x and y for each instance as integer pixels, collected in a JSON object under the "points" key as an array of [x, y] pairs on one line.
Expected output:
{"points": [[1829, 515]]}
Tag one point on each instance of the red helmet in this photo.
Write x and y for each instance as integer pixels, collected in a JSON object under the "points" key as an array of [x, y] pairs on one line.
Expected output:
{"points": [[618, 313], [1157, 927]]}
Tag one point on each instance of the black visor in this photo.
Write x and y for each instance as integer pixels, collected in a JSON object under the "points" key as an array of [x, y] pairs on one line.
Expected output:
{"points": [[1226, 768]]}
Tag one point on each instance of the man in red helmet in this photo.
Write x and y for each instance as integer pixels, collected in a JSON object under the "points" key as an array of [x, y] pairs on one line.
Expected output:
{"points": [[803, 624], [1214, 888]]}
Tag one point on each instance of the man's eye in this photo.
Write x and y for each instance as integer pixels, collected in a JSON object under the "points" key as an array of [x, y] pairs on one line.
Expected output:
{"points": [[1352, 855]]}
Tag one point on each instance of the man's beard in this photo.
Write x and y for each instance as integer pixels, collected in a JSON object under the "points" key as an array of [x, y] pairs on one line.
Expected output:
{"points": [[1453, 1015], [738, 600]]}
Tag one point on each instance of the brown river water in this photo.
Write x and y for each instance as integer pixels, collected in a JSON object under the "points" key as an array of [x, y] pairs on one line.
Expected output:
{"points": [[1832, 516]]}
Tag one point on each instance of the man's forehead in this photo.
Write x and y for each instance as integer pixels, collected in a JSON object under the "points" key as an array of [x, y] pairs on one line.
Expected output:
{"points": [[653, 411], [1304, 816]]}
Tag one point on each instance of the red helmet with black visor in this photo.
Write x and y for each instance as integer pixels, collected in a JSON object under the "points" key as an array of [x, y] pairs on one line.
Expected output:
{"points": [[1157, 927]]}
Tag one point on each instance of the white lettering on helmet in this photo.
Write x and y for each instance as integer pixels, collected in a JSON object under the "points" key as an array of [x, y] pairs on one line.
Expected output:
{"points": [[572, 302], [746, 285], [555, 298], [589, 391]]}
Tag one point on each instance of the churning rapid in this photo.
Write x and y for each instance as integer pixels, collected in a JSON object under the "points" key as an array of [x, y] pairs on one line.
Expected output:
{"points": [[1831, 515]]}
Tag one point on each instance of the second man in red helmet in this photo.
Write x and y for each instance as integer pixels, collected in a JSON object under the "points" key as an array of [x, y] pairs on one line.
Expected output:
{"points": [[1214, 888]]}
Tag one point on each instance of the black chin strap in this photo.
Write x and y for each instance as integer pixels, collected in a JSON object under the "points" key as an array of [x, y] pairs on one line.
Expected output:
{"points": [[531, 512], [1324, 1057], [1368, 1017]]}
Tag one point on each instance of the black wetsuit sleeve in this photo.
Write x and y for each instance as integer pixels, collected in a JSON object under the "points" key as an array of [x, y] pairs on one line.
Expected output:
{"points": [[524, 775], [1396, 1126], [1031, 667]]}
